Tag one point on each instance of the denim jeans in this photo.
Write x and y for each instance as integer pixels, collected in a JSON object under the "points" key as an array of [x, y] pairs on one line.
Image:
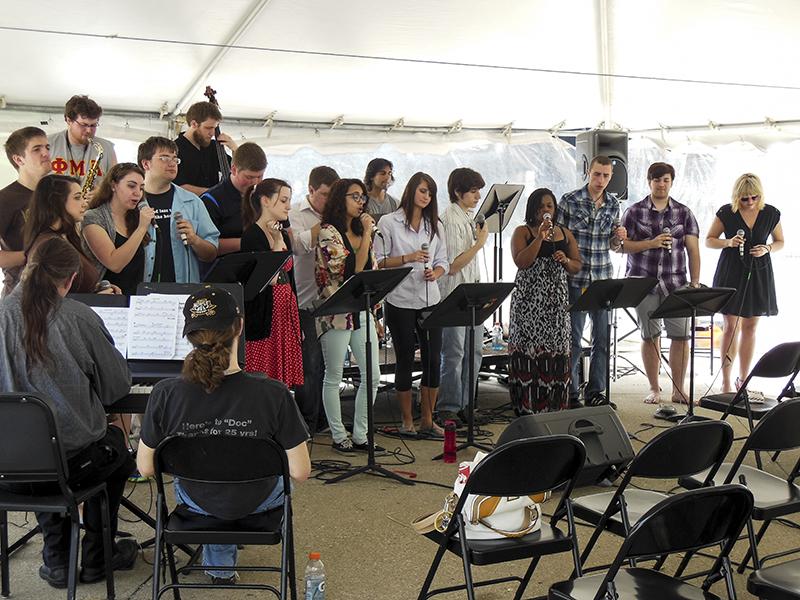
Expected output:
{"points": [[334, 347], [599, 356], [224, 555], [454, 388]]}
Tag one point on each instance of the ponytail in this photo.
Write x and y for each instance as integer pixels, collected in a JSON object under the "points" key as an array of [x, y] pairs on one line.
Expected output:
{"points": [[206, 364], [50, 266], [251, 200]]}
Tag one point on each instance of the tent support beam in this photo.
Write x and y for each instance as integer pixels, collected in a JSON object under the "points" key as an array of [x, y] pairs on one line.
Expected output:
{"points": [[232, 40], [604, 59]]}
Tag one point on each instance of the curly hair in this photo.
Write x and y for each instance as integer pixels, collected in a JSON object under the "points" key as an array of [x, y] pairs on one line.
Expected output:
{"points": [[335, 211], [205, 365]]}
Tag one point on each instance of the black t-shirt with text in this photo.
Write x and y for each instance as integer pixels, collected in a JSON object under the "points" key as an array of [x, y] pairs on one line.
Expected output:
{"points": [[164, 268], [244, 405]]}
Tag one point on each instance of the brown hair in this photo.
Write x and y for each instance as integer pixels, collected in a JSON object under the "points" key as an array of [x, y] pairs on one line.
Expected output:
{"points": [[48, 207], [251, 201], [462, 180], [335, 211], [431, 212], [17, 142], [82, 105], [658, 169], [105, 192], [51, 265], [322, 175], [206, 364], [149, 147], [600, 159], [375, 165], [249, 157], [201, 111]]}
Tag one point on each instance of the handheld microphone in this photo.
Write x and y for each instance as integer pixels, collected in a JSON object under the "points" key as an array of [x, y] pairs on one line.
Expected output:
{"points": [[376, 231], [424, 248], [480, 221], [184, 239], [548, 218], [616, 225], [140, 206], [740, 233], [666, 230]]}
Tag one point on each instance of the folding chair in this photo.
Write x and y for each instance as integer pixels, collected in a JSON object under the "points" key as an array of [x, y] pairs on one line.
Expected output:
{"points": [[31, 453], [226, 462], [778, 582], [774, 496], [685, 449], [690, 521], [781, 361], [518, 468]]}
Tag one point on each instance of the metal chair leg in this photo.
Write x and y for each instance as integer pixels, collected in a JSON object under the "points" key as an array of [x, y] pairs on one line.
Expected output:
{"points": [[526, 578], [4, 576], [72, 574], [107, 545], [423, 593]]}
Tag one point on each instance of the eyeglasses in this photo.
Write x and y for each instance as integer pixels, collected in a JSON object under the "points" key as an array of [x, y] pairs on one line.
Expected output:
{"points": [[356, 197], [749, 198], [87, 125], [169, 159]]}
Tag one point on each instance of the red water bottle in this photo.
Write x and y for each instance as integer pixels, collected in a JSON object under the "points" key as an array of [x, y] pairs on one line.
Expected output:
{"points": [[449, 455]]}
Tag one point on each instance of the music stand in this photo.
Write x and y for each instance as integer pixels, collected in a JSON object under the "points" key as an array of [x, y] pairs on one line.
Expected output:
{"points": [[254, 270], [359, 293], [467, 306], [498, 207], [693, 302], [608, 294]]}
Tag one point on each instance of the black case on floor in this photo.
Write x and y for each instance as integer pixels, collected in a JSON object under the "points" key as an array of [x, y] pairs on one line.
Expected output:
{"points": [[608, 448]]}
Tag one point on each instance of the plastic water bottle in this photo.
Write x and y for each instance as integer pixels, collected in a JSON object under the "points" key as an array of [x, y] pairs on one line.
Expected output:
{"points": [[315, 578], [497, 337], [449, 454], [347, 359]]}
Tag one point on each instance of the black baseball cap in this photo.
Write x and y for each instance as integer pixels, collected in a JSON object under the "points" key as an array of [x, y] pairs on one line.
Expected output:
{"points": [[209, 308]]}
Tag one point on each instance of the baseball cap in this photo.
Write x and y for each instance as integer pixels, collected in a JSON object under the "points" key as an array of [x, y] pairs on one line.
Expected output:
{"points": [[209, 308]]}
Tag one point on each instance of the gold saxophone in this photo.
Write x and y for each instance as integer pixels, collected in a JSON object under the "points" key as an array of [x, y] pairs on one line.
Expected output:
{"points": [[91, 174]]}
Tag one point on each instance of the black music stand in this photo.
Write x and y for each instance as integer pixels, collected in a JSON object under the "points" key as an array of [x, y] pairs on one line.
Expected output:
{"points": [[359, 293], [693, 302], [254, 270], [608, 294], [467, 306]]}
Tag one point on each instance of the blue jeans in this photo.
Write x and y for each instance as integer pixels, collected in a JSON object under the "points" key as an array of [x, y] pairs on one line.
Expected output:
{"points": [[454, 388], [334, 348], [224, 555], [599, 356]]}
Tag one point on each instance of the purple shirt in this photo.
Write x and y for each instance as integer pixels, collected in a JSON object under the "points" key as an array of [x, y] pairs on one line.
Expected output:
{"points": [[644, 222]]}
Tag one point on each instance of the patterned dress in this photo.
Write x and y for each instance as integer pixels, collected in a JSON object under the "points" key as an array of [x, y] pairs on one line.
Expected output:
{"points": [[539, 336]]}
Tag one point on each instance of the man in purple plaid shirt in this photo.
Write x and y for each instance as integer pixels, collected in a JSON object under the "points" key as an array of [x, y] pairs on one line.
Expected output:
{"points": [[662, 232]]}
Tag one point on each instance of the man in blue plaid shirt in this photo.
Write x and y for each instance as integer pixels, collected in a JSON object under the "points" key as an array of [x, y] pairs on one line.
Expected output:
{"points": [[662, 233], [592, 215]]}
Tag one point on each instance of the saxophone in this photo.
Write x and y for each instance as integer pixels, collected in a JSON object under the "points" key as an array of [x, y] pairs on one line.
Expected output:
{"points": [[91, 174]]}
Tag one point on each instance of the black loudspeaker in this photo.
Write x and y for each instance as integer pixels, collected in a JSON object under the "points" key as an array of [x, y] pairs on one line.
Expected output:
{"points": [[614, 145], [608, 449]]}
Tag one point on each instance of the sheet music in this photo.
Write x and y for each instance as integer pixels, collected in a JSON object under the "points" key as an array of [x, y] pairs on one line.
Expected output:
{"points": [[152, 324], [115, 319], [182, 345]]}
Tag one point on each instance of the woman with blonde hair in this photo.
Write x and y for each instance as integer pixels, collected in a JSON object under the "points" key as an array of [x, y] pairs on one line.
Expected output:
{"points": [[745, 265]]}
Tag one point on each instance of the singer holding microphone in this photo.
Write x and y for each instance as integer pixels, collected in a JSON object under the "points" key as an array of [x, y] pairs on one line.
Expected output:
{"points": [[745, 264], [662, 234], [271, 319], [115, 227], [412, 236], [344, 248], [539, 332]]}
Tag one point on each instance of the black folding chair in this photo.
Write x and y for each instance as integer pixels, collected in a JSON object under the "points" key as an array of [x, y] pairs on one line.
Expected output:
{"points": [[774, 496], [781, 361], [778, 582], [31, 453], [522, 467], [690, 521], [226, 462], [685, 449]]}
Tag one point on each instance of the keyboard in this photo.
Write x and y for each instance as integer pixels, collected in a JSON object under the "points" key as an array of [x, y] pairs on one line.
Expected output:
{"points": [[141, 389]]}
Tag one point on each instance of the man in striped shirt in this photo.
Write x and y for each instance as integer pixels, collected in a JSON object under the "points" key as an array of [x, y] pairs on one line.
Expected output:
{"points": [[592, 215]]}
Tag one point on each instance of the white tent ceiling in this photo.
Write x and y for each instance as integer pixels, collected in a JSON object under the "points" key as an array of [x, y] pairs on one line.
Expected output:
{"points": [[471, 64]]}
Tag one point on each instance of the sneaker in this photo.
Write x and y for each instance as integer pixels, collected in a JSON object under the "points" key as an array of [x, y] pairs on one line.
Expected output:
{"points": [[137, 477], [223, 580], [448, 415], [123, 560], [344, 447], [55, 576], [364, 447]]}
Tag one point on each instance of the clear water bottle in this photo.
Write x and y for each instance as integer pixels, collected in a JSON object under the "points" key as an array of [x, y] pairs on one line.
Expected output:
{"points": [[497, 337], [347, 359], [315, 578]]}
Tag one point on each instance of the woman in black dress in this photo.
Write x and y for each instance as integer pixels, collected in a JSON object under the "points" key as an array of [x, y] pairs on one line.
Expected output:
{"points": [[745, 264], [539, 333]]}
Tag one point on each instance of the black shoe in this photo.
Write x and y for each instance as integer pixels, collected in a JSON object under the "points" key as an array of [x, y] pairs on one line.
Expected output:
{"points": [[55, 576], [223, 580], [477, 418], [448, 415], [123, 560], [344, 447], [364, 447], [574, 403]]}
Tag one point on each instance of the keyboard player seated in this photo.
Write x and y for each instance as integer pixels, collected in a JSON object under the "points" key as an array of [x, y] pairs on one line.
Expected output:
{"points": [[213, 388], [60, 349]]}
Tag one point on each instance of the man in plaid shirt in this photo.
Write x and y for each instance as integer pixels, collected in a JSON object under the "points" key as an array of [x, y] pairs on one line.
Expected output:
{"points": [[592, 215], [662, 232]]}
